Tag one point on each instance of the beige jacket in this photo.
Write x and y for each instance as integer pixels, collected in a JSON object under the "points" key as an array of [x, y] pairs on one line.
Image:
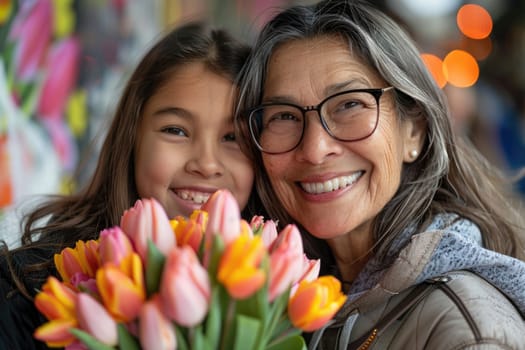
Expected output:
{"points": [[466, 312]]}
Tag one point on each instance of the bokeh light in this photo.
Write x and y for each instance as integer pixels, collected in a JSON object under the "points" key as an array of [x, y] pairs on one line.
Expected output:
{"points": [[435, 66], [474, 21], [460, 68]]}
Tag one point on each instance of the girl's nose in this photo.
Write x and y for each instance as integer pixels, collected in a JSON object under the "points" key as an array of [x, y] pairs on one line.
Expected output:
{"points": [[205, 161]]}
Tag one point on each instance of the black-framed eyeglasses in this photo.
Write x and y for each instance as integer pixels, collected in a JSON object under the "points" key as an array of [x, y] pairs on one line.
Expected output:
{"points": [[350, 115]]}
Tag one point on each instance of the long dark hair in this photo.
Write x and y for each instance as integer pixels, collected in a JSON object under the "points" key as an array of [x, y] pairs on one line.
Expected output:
{"points": [[63, 220], [449, 176]]}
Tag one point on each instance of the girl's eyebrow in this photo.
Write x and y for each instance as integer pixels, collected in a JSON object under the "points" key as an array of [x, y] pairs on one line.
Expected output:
{"points": [[173, 110]]}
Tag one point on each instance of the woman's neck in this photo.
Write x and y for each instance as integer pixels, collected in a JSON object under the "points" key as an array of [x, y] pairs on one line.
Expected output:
{"points": [[351, 252]]}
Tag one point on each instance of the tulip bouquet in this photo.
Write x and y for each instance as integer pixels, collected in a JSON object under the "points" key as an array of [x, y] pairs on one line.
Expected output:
{"points": [[210, 281]]}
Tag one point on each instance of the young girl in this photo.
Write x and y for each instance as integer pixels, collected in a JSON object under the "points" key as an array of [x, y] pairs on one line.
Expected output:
{"points": [[172, 138]]}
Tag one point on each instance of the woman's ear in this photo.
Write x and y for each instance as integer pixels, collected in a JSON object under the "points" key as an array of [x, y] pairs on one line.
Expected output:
{"points": [[414, 137]]}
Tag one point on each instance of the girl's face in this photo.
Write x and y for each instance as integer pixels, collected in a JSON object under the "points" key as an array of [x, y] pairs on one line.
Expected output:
{"points": [[332, 187], [186, 147]]}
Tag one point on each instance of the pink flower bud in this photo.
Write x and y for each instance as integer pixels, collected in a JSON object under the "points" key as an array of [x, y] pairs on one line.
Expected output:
{"points": [[155, 330], [114, 245], [286, 260], [269, 233], [147, 220], [224, 216], [185, 287], [94, 319]]}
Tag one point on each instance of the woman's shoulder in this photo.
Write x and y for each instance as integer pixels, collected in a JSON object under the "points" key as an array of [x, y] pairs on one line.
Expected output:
{"points": [[466, 310]]}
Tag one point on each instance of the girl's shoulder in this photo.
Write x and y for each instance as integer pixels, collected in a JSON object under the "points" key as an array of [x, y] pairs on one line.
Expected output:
{"points": [[18, 316]]}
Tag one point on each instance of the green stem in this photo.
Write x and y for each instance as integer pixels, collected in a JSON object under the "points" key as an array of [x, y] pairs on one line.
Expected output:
{"points": [[230, 313]]}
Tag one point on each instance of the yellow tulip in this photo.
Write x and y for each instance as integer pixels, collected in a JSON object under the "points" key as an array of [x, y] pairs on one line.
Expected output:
{"points": [[57, 302], [315, 303], [122, 287], [188, 232], [240, 266], [81, 260]]}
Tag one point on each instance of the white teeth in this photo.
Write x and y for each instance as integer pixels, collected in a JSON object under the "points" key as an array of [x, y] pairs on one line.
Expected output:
{"points": [[331, 185], [197, 197]]}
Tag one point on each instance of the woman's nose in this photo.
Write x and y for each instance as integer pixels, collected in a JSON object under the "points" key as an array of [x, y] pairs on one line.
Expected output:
{"points": [[317, 144]]}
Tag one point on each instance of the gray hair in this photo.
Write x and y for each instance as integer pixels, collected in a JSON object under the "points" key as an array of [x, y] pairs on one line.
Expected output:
{"points": [[449, 176]]}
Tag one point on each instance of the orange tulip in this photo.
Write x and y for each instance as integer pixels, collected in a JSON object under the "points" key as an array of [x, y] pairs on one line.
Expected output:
{"points": [[56, 333], [81, 260], [188, 232], [185, 289], [122, 287], [57, 303], [315, 303], [239, 267]]}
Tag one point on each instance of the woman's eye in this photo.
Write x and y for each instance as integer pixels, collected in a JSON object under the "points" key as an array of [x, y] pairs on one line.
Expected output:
{"points": [[230, 137], [174, 131]]}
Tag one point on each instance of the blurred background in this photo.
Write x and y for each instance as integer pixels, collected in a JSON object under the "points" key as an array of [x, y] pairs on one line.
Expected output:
{"points": [[63, 64]]}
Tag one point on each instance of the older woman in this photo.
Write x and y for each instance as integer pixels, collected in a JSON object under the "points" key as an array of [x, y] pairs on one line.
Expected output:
{"points": [[355, 145]]}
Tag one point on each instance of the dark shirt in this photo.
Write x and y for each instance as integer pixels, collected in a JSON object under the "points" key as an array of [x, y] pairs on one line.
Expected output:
{"points": [[19, 317]]}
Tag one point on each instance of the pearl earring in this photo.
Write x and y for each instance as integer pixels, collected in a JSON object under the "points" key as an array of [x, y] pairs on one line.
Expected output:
{"points": [[413, 153]]}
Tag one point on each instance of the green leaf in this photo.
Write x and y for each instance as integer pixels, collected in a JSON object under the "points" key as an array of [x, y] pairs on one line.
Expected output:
{"points": [[294, 342], [89, 340], [217, 249], [182, 343], [126, 340], [213, 320], [156, 261], [246, 331]]}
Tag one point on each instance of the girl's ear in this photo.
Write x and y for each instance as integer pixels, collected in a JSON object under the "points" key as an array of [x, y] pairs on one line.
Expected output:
{"points": [[414, 137]]}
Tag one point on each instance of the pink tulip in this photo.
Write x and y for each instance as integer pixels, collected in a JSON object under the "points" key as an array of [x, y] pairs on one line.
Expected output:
{"points": [[310, 270], [94, 319], [32, 30], [147, 220], [286, 260], [155, 330], [114, 245], [269, 233], [224, 217], [61, 74], [185, 287]]}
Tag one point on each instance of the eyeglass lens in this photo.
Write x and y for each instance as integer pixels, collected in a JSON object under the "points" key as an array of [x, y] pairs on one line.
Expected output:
{"points": [[347, 116]]}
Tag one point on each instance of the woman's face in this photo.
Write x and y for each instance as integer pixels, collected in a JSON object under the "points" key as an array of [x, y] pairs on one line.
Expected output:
{"points": [[366, 173], [186, 148]]}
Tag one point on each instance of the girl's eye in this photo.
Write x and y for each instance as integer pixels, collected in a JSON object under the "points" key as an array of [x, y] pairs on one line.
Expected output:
{"points": [[230, 137], [174, 131]]}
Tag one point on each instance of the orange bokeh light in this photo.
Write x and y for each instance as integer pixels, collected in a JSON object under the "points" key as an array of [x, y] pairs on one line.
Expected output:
{"points": [[474, 21], [460, 68], [435, 66]]}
